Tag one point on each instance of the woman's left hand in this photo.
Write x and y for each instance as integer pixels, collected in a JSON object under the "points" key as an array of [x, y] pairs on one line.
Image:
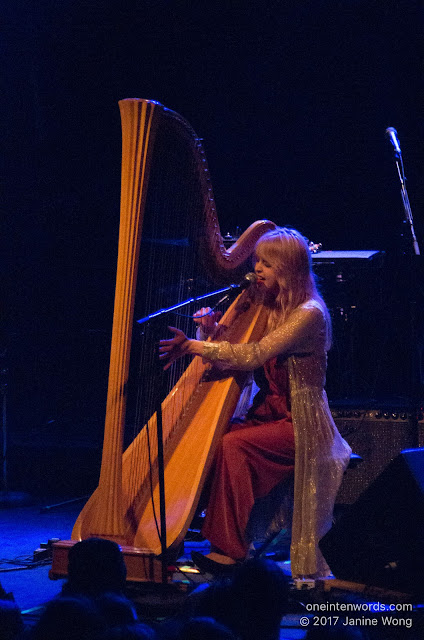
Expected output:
{"points": [[174, 348]]}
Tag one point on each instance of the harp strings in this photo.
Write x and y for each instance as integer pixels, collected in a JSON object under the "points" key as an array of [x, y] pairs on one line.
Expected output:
{"points": [[169, 271], [167, 274], [177, 411], [152, 178]]}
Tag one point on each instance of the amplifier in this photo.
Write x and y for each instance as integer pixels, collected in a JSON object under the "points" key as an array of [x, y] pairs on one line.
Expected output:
{"points": [[351, 283], [378, 435]]}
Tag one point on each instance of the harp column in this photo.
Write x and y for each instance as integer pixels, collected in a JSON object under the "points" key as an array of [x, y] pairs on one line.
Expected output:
{"points": [[139, 120]]}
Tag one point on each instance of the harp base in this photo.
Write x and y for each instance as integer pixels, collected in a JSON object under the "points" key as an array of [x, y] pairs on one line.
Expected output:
{"points": [[142, 565]]}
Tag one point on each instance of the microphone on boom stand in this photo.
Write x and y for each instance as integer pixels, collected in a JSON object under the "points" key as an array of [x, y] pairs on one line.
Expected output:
{"points": [[249, 279], [391, 134]]}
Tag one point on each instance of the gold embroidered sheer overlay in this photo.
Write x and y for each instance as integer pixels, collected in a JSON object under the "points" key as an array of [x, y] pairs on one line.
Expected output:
{"points": [[321, 455]]}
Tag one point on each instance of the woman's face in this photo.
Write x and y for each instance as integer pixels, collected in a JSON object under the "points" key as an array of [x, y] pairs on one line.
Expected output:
{"points": [[266, 275]]}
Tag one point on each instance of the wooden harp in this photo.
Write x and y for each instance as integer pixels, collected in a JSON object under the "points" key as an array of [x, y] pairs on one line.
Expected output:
{"points": [[200, 404]]}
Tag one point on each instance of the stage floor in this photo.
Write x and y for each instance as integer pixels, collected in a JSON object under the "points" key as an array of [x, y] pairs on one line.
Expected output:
{"points": [[24, 528]]}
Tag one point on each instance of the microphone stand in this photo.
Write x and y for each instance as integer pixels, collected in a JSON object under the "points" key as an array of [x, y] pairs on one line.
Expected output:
{"points": [[175, 307], [414, 394], [159, 383], [405, 200]]}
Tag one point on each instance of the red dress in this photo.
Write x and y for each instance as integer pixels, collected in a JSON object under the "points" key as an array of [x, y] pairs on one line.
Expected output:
{"points": [[253, 457]]}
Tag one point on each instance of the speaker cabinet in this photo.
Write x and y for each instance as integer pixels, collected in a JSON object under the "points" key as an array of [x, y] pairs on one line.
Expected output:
{"points": [[378, 541], [378, 435]]}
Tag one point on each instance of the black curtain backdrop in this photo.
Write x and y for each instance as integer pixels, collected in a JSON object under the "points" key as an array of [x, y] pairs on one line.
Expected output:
{"points": [[291, 98]]}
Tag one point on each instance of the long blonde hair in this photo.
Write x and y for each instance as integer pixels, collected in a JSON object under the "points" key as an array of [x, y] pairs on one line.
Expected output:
{"points": [[288, 253]]}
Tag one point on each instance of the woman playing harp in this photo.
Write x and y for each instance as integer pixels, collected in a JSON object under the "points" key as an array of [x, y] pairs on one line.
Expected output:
{"points": [[168, 218], [289, 428]]}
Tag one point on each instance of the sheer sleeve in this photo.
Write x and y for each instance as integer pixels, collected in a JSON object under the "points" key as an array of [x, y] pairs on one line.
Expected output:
{"points": [[299, 334]]}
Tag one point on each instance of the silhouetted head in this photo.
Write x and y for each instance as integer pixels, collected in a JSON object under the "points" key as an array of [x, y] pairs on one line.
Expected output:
{"points": [[11, 624], [337, 632], [262, 590], [69, 618], [251, 604], [116, 609], [95, 566], [205, 629], [138, 631]]}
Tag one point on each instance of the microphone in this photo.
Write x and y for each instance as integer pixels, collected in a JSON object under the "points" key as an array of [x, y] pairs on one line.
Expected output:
{"points": [[248, 279], [391, 134]]}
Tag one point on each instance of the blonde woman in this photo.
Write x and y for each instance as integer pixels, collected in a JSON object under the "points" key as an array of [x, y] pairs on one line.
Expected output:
{"points": [[289, 429]]}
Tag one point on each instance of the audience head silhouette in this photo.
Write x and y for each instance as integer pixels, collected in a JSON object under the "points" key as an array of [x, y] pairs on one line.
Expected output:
{"points": [[138, 631], [69, 618], [11, 624], [116, 609], [251, 604], [206, 629], [95, 566]]}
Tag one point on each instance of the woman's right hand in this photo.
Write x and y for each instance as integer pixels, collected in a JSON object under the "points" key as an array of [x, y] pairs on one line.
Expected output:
{"points": [[173, 348], [207, 320]]}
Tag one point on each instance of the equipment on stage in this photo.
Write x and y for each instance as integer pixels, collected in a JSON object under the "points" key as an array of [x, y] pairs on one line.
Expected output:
{"points": [[377, 433], [151, 480], [379, 540], [352, 285], [392, 135]]}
